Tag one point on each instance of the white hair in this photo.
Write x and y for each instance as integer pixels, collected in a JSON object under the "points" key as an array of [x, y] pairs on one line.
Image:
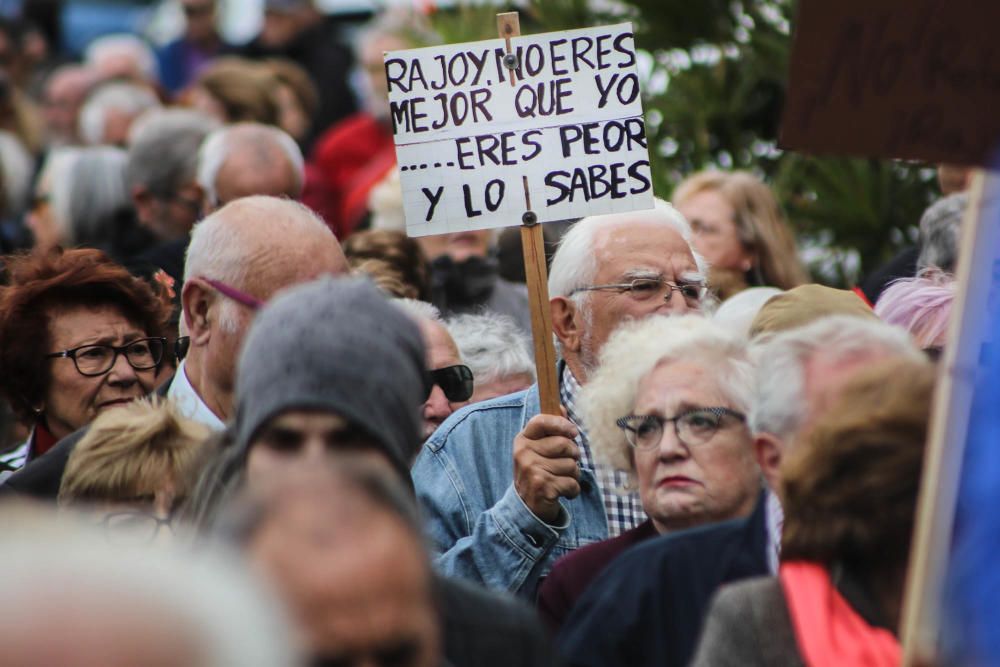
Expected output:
{"points": [[420, 310], [782, 359], [17, 166], [124, 44], [737, 312], [55, 173], [493, 346], [217, 146], [128, 98], [574, 264], [634, 350], [97, 194], [163, 149], [207, 600], [221, 251]]}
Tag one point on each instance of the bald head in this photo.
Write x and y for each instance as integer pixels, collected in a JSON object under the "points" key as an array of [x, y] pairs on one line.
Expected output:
{"points": [[262, 244], [249, 159], [239, 257]]}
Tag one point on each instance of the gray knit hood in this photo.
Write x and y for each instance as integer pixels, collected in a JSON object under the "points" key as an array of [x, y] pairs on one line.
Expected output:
{"points": [[336, 345]]}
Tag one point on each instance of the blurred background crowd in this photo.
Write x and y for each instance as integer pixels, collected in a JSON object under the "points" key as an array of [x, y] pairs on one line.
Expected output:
{"points": [[179, 179]]}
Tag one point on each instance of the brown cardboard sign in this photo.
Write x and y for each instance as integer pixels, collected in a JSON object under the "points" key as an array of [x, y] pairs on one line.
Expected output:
{"points": [[909, 79]]}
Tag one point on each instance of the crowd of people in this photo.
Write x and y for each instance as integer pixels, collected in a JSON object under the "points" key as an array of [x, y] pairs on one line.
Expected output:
{"points": [[249, 421]]}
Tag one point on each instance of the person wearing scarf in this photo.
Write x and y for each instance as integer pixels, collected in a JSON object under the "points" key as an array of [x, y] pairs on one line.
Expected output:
{"points": [[849, 493]]}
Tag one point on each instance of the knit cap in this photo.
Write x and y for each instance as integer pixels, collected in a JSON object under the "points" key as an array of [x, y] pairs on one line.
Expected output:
{"points": [[336, 345]]}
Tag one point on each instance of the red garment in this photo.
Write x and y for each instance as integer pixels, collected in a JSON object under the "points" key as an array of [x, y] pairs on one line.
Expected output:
{"points": [[857, 290], [42, 442], [348, 161], [828, 630]]}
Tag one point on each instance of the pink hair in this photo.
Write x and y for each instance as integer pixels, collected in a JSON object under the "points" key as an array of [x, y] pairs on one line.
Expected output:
{"points": [[921, 305]]}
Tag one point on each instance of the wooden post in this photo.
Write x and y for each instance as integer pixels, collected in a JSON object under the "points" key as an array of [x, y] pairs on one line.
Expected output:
{"points": [[533, 244], [947, 432]]}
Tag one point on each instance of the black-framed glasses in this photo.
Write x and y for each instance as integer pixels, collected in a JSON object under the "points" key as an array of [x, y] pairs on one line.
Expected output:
{"points": [[143, 354], [455, 381], [692, 427], [134, 526], [644, 289]]}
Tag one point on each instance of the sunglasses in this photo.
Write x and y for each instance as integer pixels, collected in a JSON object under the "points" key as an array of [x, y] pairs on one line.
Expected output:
{"points": [[455, 382]]}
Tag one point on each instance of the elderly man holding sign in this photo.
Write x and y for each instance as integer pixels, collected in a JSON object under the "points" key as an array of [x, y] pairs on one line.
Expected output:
{"points": [[507, 490], [509, 485]]}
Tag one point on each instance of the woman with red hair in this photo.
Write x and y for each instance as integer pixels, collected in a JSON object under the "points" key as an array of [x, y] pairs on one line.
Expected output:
{"points": [[78, 335]]}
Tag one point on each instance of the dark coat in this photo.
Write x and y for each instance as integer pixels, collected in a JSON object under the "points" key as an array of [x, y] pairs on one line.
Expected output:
{"points": [[483, 628], [648, 606], [574, 572]]}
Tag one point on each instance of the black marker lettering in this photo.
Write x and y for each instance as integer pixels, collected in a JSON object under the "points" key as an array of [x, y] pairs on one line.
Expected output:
{"points": [[433, 199]]}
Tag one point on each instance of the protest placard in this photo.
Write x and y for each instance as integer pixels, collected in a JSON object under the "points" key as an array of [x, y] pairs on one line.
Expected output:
{"points": [[911, 79], [567, 137]]}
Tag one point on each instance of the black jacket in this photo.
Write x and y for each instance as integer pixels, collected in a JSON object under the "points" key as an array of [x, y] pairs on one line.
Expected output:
{"points": [[40, 479], [648, 606]]}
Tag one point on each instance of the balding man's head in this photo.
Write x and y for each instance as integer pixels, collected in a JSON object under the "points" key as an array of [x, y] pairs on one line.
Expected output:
{"points": [[239, 257], [249, 159]]}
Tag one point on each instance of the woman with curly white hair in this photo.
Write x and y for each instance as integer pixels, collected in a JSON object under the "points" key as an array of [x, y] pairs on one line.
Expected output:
{"points": [[668, 405]]}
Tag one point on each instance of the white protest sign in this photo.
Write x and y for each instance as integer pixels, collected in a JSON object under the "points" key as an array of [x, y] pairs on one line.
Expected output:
{"points": [[571, 126]]}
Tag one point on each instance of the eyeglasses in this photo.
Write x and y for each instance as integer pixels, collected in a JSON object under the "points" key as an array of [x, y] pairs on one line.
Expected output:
{"points": [[694, 427], [91, 360], [236, 295], [455, 381], [645, 289], [135, 527]]}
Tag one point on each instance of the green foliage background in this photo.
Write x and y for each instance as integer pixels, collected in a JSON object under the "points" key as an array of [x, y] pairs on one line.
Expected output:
{"points": [[714, 79]]}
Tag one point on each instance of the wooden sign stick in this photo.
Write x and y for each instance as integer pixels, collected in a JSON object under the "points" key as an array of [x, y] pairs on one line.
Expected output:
{"points": [[533, 245]]}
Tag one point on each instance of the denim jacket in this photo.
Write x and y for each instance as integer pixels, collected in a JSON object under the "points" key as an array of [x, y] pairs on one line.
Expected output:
{"points": [[479, 527]]}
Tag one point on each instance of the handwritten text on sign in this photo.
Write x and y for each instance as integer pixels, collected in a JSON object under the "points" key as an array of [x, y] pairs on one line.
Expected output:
{"points": [[571, 124]]}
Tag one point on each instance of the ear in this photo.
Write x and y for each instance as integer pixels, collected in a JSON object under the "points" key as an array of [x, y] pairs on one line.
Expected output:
{"points": [[566, 323], [196, 303], [768, 449]]}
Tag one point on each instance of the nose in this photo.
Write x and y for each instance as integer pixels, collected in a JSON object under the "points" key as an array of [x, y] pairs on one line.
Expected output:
{"points": [[437, 408], [121, 372], [671, 448]]}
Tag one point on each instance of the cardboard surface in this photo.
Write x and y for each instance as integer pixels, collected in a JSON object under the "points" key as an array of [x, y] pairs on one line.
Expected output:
{"points": [[910, 79]]}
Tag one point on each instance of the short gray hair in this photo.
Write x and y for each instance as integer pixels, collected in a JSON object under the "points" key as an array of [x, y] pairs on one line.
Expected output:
{"points": [[124, 44], [782, 358], [492, 346], [574, 264], [163, 149], [940, 226], [217, 147], [634, 350], [420, 310], [17, 167], [129, 98], [209, 599], [97, 195]]}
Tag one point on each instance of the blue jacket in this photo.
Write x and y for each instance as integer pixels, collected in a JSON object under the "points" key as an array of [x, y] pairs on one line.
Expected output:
{"points": [[479, 527]]}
